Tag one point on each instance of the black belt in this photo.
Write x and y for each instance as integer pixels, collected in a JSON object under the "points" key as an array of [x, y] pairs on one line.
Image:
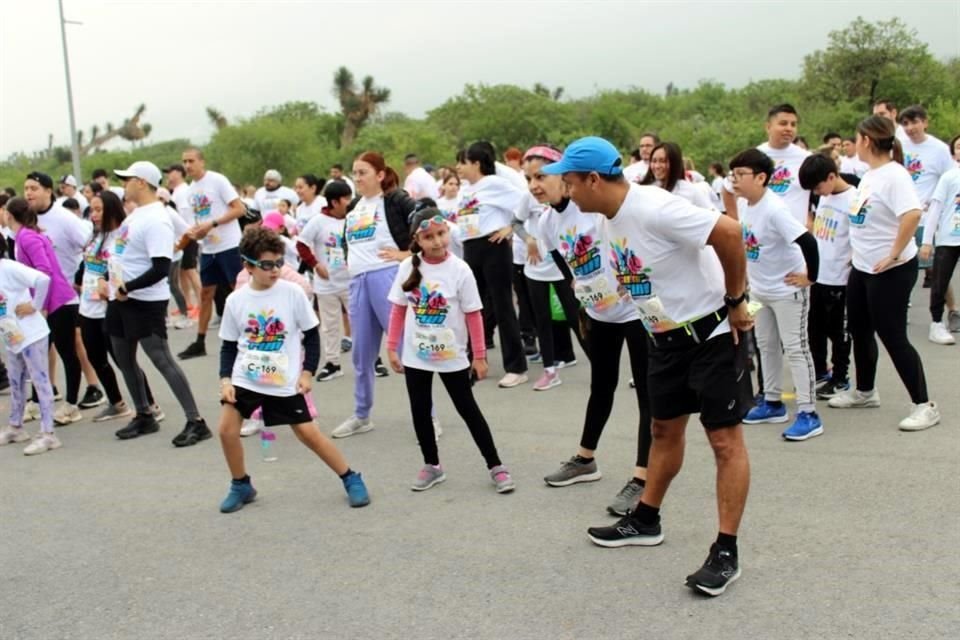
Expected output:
{"points": [[690, 333]]}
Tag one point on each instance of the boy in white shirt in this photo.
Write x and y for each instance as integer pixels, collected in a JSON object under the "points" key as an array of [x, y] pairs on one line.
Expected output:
{"points": [[943, 224], [782, 121], [782, 261]]}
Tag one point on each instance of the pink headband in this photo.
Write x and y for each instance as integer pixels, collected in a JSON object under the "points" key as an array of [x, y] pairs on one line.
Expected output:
{"points": [[543, 152]]}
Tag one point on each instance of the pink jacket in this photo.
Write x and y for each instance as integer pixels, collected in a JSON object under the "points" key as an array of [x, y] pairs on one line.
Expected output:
{"points": [[35, 250]]}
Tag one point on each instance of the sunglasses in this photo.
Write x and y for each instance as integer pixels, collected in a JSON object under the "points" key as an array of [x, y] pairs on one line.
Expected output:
{"points": [[266, 265], [437, 220]]}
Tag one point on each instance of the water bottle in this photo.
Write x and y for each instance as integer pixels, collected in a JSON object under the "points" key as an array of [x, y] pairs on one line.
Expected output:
{"points": [[268, 444]]}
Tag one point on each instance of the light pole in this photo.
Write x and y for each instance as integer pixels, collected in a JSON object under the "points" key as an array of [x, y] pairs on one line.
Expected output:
{"points": [[74, 142]]}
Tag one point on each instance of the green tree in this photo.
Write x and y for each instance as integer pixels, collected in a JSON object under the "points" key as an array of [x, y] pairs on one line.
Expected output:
{"points": [[357, 104]]}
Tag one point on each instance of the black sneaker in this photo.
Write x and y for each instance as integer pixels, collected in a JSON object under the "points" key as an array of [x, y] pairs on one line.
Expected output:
{"points": [[93, 397], [529, 347], [380, 370], [832, 388], [193, 432], [329, 372], [195, 350], [626, 532], [716, 574], [141, 425]]}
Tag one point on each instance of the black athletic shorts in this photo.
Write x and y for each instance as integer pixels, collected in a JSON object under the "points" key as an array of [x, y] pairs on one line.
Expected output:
{"points": [[190, 253], [136, 319], [277, 410], [710, 378], [220, 268]]}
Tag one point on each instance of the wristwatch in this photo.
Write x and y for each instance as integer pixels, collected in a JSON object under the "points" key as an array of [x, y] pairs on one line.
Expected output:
{"points": [[122, 290], [732, 302], [215, 223]]}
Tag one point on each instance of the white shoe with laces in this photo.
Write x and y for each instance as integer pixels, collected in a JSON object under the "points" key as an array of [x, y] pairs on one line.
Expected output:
{"points": [[854, 399], [922, 417], [352, 426], [939, 334], [10, 435], [42, 442], [250, 427]]}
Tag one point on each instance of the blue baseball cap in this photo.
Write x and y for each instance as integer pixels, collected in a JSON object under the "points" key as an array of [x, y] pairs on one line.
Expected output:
{"points": [[586, 155]]}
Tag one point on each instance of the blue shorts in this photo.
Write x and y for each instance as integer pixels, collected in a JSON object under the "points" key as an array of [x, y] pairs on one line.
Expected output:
{"points": [[220, 268]]}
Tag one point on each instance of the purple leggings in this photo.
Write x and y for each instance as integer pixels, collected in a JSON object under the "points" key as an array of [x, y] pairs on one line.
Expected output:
{"points": [[31, 360], [369, 320]]}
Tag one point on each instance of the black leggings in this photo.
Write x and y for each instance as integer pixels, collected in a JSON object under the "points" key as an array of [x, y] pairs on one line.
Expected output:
{"points": [[605, 342], [944, 262], [492, 266], [63, 334], [125, 355], [98, 346], [524, 310], [877, 306], [175, 291], [828, 319], [540, 302], [419, 386]]}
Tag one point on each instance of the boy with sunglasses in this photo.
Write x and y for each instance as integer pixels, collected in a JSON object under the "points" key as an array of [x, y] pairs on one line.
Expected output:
{"points": [[260, 366]]}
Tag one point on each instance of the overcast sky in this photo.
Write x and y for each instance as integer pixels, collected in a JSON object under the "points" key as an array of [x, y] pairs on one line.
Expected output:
{"points": [[179, 57]]}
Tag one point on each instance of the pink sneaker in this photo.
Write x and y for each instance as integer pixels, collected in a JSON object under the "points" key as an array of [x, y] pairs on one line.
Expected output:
{"points": [[547, 381]]}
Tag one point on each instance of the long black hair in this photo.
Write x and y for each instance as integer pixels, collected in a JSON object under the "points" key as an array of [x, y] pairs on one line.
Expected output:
{"points": [[675, 171], [20, 211], [113, 215], [425, 210], [312, 180], [481, 152]]}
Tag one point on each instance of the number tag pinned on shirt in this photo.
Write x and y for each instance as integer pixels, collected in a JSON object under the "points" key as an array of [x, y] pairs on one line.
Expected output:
{"points": [[435, 344], [595, 293], [654, 315], [267, 368], [469, 225], [10, 333]]}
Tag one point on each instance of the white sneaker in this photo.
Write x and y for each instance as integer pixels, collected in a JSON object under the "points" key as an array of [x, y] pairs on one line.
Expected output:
{"points": [[67, 413], [352, 426], [250, 427], [853, 399], [939, 334], [922, 417], [182, 322], [9, 435], [31, 411], [42, 442], [512, 380]]}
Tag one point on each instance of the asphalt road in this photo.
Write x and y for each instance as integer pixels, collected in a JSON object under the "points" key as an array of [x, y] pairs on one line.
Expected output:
{"points": [[851, 535]]}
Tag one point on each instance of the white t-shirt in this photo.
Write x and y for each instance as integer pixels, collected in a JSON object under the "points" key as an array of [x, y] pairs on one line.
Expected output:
{"points": [[420, 184], [118, 191], [435, 328], [785, 181], [266, 201], [145, 234], [511, 175], [181, 198], [546, 270], [79, 197], [68, 234], [267, 327], [658, 248], [693, 194], [947, 197], [636, 172], [180, 227], [307, 212], [324, 236], [926, 162], [96, 260], [16, 280], [854, 166], [577, 236], [367, 233], [831, 228], [769, 231], [884, 194], [488, 205], [210, 198], [449, 206]]}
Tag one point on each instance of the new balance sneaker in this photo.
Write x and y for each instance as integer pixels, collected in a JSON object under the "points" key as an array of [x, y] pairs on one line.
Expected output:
{"points": [[807, 425], [31, 411], [193, 432], [352, 426], [92, 397], [626, 532], [953, 322], [41, 443], [832, 388], [380, 369], [329, 372], [141, 425], [428, 477], [240, 494], [346, 344], [195, 350], [716, 574], [512, 380], [113, 411], [573, 471], [502, 479], [855, 399], [767, 413], [67, 414], [357, 494], [547, 381], [10, 435], [250, 427], [922, 417], [939, 334], [626, 501]]}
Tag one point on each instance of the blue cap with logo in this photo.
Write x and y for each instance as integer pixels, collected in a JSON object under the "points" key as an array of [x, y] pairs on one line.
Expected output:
{"points": [[586, 155]]}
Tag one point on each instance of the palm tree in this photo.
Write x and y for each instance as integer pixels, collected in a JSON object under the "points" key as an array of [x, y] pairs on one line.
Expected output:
{"points": [[217, 118], [356, 105], [543, 90]]}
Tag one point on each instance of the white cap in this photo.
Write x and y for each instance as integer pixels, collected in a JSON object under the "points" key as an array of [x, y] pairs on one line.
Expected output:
{"points": [[273, 174], [163, 194], [70, 180], [146, 171]]}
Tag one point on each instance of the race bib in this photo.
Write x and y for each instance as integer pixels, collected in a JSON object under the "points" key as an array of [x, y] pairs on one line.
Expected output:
{"points": [[115, 271], [267, 368], [595, 293], [90, 289], [653, 315], [469, 225], [335, 258], [955, 224], [435, 344], [10, 333]]}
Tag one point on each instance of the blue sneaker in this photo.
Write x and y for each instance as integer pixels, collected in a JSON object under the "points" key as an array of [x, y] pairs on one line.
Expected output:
{"points": [[357, 494], [807, 425], [240, 494], [765, 412]]}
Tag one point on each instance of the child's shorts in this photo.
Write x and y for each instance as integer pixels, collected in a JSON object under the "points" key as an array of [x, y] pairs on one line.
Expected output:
{"points": [[277, 410]]}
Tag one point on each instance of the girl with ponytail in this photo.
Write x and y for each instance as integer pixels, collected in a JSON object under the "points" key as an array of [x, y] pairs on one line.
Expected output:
{"points": [[436, 305]]}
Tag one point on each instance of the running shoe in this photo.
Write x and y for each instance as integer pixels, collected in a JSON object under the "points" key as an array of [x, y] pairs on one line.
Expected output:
{"points": [[823, 379], [767, 413], [806, 425], [112, 411], [380, 369], [512, 380], [195, 350], [953, 323], [357, 494], [922, 417], [628, 531], [832, 388], [352, 426], [716, 574], [193, 432], [11, 435], [547, 381], [855, 399], [182, 322], [428, 477], [565, 364], [626, 501], [157, 413], [67, 414], [31, 411], [250, 427], [502, 479], [41, 443], [939, 334], [92, 397], [329, 372], [573, 471], [240, 494], [139, 426]]}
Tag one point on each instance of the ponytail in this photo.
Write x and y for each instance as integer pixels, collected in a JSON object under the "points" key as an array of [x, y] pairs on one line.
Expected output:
{"points": [[390, 180], [882, 134], [413, 281], [897, 151]]}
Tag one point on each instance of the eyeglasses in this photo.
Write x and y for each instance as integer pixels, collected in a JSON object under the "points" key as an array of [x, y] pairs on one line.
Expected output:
{"points": [[425, 224], [266, 265], [735, 175]]}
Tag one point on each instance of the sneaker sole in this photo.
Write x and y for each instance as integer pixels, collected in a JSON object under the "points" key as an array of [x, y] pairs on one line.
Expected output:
{"points": [[777, 420], [869, 405], [128, 414], [189, 443], [64, 422], [713, 592], [637, 541], [242, 504], [507, 489], [813, 434], [511, 386], [363, 429], [247, 434], [584, 477], [131, 436], [548, 387], [432, 484], [338, 374], [923, 428], [91, 405]]}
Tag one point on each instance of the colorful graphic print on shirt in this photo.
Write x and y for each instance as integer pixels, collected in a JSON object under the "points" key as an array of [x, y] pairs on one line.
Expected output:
{"points": [[362, 226], [750, 243], [333, 246], [781, 179], [956, 216], [201, 205], [10, 333], [859, 211], [913, 165], [581, 253], [264, 361], [825, 227], [628, 266], [433, 342]]}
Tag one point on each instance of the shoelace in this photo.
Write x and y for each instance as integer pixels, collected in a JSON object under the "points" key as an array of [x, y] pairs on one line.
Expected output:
{"points": [[629, 489]]}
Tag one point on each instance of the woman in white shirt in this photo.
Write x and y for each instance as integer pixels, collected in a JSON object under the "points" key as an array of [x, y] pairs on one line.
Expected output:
{"points": [[449, 201], [308, 188], [666, 171], [883, 221]]}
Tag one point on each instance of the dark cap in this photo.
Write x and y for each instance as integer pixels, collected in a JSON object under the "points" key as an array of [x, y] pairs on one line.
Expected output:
{"points": [[44, 180], [176, 166]]}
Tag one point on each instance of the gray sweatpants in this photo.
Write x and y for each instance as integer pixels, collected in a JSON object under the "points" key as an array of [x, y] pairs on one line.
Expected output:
{"points": [[783, 321]]}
